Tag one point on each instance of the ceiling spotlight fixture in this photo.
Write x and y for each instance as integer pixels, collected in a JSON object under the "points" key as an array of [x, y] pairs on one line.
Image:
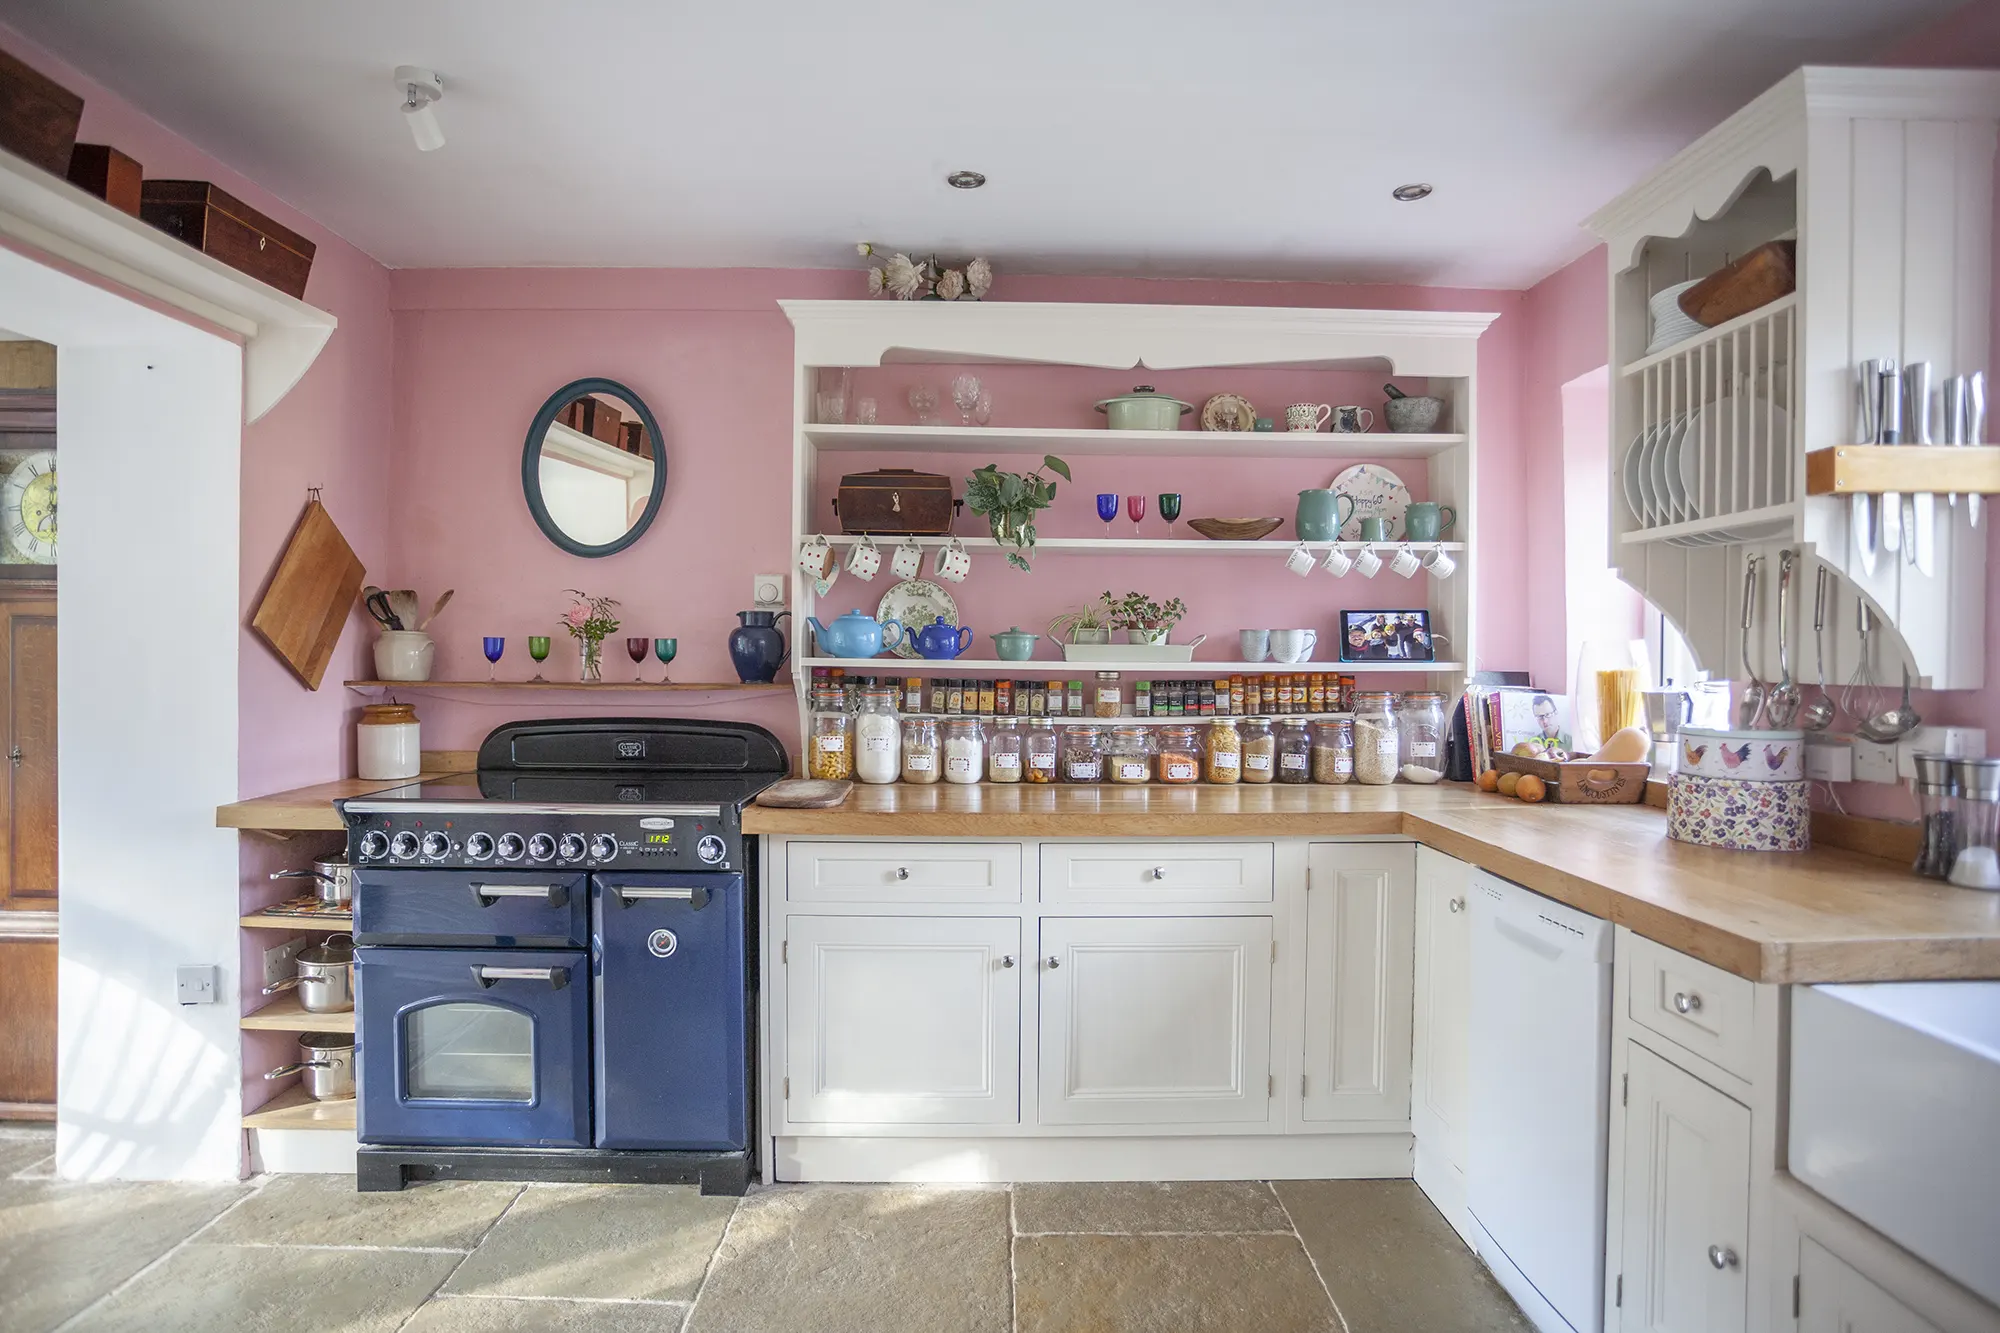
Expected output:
{"points": [[965, 180], [1409, 194], [421, 88]]}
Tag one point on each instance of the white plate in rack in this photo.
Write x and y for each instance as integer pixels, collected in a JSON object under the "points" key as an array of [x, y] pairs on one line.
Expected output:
{"points": [[1775, 446], [1628, 473], [1666, 474]]}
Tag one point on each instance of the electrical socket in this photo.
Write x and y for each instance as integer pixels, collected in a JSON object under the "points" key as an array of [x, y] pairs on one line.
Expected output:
{"points": [[280, 961], [1873, 761], [767, 592], [197, 983], [1830, 760], [1957, 742]]}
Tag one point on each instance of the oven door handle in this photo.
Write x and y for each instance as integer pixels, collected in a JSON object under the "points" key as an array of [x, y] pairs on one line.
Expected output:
{"points": [[488, 894], [695, 896], [557, 977]]}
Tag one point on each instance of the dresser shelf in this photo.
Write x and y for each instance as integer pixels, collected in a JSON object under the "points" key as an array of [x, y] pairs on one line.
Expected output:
{"points": [[572, 686], [903, 666], [286, 1014], [292, 1109], [1099, 442]]}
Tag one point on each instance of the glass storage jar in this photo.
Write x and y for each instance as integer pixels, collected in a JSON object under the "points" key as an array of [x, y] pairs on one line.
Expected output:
{"points": [[1377, 748], [1082, 758], [920, 750], [1223, 752], [1040, 751], [1178, 758], [1109, 698], [1128, 756], [964, 750], [1333, 751], [1977, 862], [878, 737], [1294, 750], [1260, 751], [831, 757], [1424, 729], [1004, 751]]}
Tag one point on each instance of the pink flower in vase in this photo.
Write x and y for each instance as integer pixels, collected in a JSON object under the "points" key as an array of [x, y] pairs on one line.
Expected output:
{"points": [[577, 617]]}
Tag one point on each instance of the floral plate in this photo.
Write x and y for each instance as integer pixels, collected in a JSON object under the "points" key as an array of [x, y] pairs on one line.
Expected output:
{"points": [[914, 604], [1228, 411]]}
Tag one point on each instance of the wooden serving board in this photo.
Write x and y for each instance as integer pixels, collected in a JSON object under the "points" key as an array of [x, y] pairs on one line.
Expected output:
{"points": [[804, 794], [304, 609]]}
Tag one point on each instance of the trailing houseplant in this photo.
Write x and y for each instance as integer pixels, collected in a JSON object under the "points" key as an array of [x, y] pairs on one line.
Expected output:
{"points": [[1144, 620], [1086, 625], [589, 621], [1010, 502]]}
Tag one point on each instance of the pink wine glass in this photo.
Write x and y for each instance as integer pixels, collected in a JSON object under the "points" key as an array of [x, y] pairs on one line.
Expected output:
{"points": [[1135, 509]]}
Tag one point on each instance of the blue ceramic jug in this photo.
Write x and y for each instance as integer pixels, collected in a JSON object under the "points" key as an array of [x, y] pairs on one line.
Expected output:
{"points": [[756, 646]]}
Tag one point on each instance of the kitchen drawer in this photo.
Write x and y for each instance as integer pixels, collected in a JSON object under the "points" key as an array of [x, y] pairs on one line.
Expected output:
{"points": [[1696, 1006], [903, 872], [1182, 872], [472, 908]]}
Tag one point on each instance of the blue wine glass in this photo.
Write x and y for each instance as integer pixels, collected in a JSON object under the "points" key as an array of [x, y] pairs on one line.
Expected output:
{"points": [[1107, 509], [494, 647], [664, 649]]}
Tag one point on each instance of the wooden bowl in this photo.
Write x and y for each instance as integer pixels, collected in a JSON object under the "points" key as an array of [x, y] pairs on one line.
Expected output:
{"points": [[1236, 529]]}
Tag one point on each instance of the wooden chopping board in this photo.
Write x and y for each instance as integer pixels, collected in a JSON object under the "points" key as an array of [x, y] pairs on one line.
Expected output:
{"points": [[305, 607], [804, 794]]}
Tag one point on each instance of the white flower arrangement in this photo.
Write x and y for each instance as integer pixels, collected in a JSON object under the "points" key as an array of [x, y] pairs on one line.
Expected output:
{"points": [[909, 279]]}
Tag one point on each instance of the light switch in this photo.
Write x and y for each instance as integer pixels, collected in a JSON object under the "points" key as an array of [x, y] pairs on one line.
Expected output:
{"points": [[1830, 760], [767, 592], [197, 983]]}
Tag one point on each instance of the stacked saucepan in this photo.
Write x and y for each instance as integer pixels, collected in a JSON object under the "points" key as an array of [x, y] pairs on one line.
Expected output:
{"points": [[325, 985]]}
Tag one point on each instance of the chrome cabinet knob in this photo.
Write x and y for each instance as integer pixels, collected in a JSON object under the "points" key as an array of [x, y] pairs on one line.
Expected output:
{"points": [[1457, 904], [1006, 960], [1686, 1002], [1054, 962], [902, 872], [1159, 872], [1721, 1256]]}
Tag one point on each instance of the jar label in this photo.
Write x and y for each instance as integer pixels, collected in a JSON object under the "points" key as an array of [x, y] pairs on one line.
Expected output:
{"points": [[1041, 761], [1260, 763], [1108, 694], [1132, 772], [1293, 761], [878, 744], [1180, 772], [1423, 749], [833, 744], [1385, 749], [1083, 772], [1343, 763], [919, 763], [1226, 759], [958, 763], [1006, 761]]}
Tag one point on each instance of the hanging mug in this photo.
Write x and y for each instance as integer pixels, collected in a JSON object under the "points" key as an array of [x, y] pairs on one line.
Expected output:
{"points": [[1300, 561], [1307, 416], [1352, 420], [1337, 562], [908, 561], [1426, 521], [1407, 562], [953, 563], [1439, 563], [1368, 563], [817, 560], [865, 559]]}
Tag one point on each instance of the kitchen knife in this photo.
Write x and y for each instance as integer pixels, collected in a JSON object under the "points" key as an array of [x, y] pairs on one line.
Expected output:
{"points": [[1920, 509], [1861, 506], [1975, 432], [1889, 430], [1954, 420]]}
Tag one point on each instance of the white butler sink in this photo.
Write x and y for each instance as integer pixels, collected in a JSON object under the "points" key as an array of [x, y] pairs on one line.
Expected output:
{"points": [[1896, 1115]]}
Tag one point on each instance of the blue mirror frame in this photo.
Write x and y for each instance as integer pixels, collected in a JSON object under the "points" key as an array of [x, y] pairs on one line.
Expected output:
{"points": [[531, 466]]}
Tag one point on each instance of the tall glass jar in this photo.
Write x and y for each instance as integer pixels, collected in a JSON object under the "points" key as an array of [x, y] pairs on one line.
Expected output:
{"points": [[878, 737], [1333, 751], [964, 750], [922, 761], [1004, 750], [1425, 730], [1260, 751], [1128, 757], [1294, 750], [1040, 751], [1378, 749], [831, 757], [1082, 756], [1223, 752], [1178, 758], [1108, 696]]}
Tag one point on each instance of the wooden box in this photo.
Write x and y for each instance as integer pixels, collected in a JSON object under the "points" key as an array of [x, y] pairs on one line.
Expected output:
{"points": [[38, 116], [1757, 279], [100, 169], [896, 501], [1581, 782], [222, 226], [597, 419]]}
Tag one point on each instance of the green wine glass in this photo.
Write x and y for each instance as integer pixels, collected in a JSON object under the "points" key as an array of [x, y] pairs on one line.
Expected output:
{"points": [[664, 649], [1170, 510], [538, 648]]}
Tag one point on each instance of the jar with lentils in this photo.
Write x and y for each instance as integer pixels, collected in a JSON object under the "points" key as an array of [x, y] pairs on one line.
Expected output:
{"points": [[1223, 752], [1377, 742], [1128, 757], [1333, 751], [1294, 750], [1177, 761]]}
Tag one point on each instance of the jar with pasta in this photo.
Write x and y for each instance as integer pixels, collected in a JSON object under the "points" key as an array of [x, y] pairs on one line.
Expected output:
{"points": [[1294, 750], [1421, 720], [920, 751], [1377, 747], [1128, 756], [964, 750], [1177, 761], [831, 757], [1082, 755], [1260, 751], [1039, 752], [1223, 752], [1004, 751], [1333, 751], [878, 737]]}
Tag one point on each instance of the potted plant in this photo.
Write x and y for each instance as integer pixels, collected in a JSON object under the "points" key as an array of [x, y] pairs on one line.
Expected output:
{"points": [[1144, 620], [1010, 502], [1082, 626]]}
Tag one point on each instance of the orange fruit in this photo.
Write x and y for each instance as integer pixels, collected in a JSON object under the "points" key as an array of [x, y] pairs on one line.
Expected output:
{"points": [[1530, 788], [1489, 780], [1510, 782]]}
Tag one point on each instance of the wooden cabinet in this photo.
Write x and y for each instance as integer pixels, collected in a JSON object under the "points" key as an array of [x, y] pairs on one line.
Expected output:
{"points": [[28, 747], [1685, 1202], [1440, 1019], [1834, 1297], [1155, 1020], [902, 1020], [1360, 924]]}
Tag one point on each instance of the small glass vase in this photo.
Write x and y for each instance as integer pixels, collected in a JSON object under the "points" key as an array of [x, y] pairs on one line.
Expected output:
{"points": [[591, 668]]}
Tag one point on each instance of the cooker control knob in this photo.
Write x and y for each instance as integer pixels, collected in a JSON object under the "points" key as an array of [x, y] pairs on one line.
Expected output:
{"points": [[403, 846], [710, 849], [374, 845], [511, 847], [571, 848], [541, 847], [437, 845], [603, 847], [479, 846]]}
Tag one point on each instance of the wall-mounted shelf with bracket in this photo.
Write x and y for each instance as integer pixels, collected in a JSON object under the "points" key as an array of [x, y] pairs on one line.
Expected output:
{"points": [[1870, 469]]}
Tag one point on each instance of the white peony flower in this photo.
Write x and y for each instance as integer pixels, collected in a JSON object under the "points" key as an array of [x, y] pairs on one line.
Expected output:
{"points": [[903, 278], [950, 285], [863, 249], [875, 280], [979, 277]]}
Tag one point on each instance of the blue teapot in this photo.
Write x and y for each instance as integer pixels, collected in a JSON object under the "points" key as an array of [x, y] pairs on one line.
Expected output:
{"points": [[942, 642], [855, 635]]}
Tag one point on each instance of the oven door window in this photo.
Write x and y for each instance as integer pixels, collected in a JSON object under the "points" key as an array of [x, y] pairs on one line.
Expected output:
{"points": [[468, 1052]]}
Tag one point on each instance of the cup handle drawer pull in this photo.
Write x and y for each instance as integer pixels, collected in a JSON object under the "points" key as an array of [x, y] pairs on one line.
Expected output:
{"points": [[557, 977], [488, 894], [1721, 1256], [695, 897], [1687, 1002]]}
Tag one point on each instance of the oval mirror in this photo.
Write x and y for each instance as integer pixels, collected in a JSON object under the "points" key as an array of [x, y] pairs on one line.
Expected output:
{"points": [[594, 470]]}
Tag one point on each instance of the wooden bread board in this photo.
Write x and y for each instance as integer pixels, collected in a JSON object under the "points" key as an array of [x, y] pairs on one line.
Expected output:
{"points": [[305, 607], [1580, 781], [804, 794]]}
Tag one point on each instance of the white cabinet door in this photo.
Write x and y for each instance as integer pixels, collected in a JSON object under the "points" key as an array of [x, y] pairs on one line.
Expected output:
{"points": [[1834, 1298], [1444, 962], [1156, 1020], [1360, 953], [1686, 1202], [903, 1020]]}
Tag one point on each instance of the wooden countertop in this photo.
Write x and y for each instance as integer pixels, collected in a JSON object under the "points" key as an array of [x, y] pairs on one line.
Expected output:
{"points": [[310, 809], [1826, 915]]}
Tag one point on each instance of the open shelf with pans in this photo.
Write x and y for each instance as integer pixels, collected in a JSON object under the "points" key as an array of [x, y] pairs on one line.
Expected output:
{"points": [[292, 1109], [286, 921], [286, 1014]]}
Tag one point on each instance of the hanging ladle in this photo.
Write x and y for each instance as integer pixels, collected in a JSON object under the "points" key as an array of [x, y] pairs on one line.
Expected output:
{"points": [[1891, 725], [1819, 714], [1750, 706], [1783, 705]]}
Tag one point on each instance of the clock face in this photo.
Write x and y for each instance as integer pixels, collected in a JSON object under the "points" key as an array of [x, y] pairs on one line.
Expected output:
{"points": [[28, 508]]}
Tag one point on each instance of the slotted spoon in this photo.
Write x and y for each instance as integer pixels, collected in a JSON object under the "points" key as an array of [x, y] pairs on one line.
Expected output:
{"points": [[1820, 712], [1750, 706]]}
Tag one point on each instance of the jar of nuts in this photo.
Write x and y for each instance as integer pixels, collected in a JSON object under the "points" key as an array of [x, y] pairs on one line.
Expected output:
{"points": [[1294, 750], [1223, 753], [1082, 755]]}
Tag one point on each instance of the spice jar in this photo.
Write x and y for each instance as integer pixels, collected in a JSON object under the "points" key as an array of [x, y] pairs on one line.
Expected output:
{"points": [[1294, 750], [1178, 761], [1128, 758], [831, 757], [1421, 721], [1977, 863], [1260, 750], [1109, 700], [1333, 751], [1041, 751], [1223, 752], [878, 737], [920, 750], [964, 750], [387, 742], [1003, 751], [1377, 749], [1082, 757]]}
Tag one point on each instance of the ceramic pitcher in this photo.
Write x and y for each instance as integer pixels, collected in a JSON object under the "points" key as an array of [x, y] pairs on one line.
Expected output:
{"points": [[1320, 515]]}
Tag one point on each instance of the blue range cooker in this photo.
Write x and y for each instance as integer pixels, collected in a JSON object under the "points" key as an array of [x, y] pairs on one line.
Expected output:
{"points": [[554, 975]]}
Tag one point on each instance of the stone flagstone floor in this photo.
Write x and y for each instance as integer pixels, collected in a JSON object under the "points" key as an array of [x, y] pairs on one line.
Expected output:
{"points": [[283, 1253]]}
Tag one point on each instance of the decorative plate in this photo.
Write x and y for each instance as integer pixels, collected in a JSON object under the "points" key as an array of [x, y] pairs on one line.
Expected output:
{"points": [[1228, 411], [1377, 493], [914, 604]]}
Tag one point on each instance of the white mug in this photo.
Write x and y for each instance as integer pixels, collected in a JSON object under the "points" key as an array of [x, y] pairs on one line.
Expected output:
{"points": [[1407, 561], [1352, 420], [1307, 416], [865, 559], [908, 561], [1255, 643], [817, 559], [1300, 560], [1440, 564], [1369, 563], [1337, 562], [1293, 645], [953, 563]]}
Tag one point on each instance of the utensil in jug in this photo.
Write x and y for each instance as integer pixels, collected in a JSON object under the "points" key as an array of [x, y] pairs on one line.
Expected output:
{"points": [[1750, 705], [378, 606], [1819, 714], [403, 601], [444, 599], [1783, 704]]}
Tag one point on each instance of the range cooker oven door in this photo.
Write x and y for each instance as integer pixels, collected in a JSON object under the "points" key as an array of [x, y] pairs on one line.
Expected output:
{"points": [[672, 1066], [474, 1046]]}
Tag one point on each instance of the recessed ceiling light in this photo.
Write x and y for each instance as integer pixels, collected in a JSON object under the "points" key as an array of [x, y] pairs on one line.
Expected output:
{"points": [[1409, 194], [965, 180]]}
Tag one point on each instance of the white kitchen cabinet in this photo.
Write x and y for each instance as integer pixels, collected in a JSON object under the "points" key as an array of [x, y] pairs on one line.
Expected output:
{"points": [[1360, 956], [1834, 1297], [1155, 1020], [902, 1020], [1685, 1201], [1438, 1075]]}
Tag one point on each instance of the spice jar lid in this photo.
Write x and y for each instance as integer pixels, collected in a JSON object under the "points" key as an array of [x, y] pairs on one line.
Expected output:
{"points": [[1978, 779], [1934, 774], [388, 715]]}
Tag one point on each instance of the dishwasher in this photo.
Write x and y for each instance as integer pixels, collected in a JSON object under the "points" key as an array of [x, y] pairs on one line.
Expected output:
{"points": [[1539, 1069]]}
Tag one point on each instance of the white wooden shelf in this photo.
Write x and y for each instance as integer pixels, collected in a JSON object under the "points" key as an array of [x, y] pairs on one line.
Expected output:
{"points": [[1147, 443], [1707, 336], [1151, 720], [1189, 545], [905, 666]]}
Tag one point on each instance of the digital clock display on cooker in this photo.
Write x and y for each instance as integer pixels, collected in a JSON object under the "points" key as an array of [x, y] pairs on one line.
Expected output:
{"points": [[659, 839]]}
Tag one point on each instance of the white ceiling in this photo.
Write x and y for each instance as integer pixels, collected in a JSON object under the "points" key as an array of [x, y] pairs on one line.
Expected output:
{"points": [[1258, 139]]}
